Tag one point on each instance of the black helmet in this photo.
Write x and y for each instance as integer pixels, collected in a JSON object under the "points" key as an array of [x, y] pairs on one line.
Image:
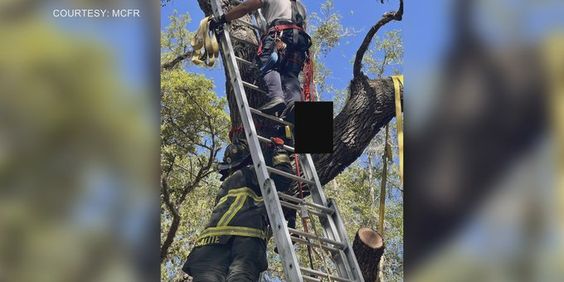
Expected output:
{"points": [[236, 155]]}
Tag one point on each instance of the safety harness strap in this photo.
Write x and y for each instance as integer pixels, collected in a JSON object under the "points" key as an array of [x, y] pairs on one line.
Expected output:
{"points": [[398, 83], [281, 27]]}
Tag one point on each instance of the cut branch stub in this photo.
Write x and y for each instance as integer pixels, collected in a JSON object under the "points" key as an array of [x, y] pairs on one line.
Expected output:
{"points": [[368, 247]]}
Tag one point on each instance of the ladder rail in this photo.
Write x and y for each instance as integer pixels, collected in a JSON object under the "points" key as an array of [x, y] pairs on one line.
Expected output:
{"points": [[268, 188], [329, 227], [334, 226]]}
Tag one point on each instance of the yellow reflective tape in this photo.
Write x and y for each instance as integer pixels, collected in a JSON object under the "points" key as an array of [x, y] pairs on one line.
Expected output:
{"points": [[398, 82], [230, 213], [237, 192], [247, 192], [288, 132], [232, 231]]}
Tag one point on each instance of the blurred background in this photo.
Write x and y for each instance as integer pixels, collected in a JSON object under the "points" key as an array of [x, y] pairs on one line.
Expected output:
{"points": [[78, 143], [484, 93]]}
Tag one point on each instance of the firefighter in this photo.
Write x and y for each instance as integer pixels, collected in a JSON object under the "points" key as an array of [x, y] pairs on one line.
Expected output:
{"points": [[233, 245], [283, 50]]}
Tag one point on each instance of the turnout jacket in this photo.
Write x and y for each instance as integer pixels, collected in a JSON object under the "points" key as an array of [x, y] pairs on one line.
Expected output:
{"points": [[239, 210]]}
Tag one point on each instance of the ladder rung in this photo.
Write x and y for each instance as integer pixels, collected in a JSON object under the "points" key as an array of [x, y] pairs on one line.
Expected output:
{"points": [[270, 117], [266, 140], [311, 236], [306, 242], [288, 175], [254, 87], [298, 208], [330, 211], [323, 274], [309, 278], [244, 40], [244, 61]]}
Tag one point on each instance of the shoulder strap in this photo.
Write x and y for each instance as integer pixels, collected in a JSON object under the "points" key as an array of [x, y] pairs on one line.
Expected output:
{"points": [[297, 18]]}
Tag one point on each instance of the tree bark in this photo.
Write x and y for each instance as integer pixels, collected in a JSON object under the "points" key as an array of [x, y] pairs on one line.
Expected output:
{"points": [[171, 233], [382, 208], [368, 247]]}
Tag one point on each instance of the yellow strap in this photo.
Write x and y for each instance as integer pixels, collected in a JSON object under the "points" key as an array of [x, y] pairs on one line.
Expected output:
{"points": [[398, 83], [206, 48]]}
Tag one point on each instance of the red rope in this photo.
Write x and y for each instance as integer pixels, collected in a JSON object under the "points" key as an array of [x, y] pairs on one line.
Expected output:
{"points": [[309, 91]]}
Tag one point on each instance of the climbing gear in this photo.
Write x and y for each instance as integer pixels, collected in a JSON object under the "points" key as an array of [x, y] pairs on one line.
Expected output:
{"points": [[334, 236], [298, 14], [204, 43], [292, 34], [398, 84], [272, 61], [280, 161], [216, 23], [309, 69]]}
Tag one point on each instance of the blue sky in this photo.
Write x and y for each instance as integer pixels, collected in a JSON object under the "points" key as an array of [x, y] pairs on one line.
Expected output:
{"points": [[354, 16]]}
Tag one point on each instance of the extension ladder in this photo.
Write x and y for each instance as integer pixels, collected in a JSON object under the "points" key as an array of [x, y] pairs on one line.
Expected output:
{"points": [[334, 239]]}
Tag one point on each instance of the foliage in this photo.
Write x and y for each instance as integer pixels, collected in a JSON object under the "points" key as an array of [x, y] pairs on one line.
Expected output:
{"points": [[75, 149], [175, 39], [385, 53], [193, 128], [326, 32]]}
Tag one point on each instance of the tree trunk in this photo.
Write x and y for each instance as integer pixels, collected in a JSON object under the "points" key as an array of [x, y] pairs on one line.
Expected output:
{"points": [[382, 208], [368, 247]]}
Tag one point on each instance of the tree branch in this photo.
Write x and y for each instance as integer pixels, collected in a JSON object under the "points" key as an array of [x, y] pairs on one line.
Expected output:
{"points": [[171, 64], [386, 18], [171, 233]]}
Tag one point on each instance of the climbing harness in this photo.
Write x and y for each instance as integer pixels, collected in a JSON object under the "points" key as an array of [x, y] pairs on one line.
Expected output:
{"points": [[204, 43]]}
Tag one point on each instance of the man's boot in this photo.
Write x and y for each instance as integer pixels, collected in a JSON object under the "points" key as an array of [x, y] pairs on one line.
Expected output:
{"points": [[276, 105], [281, 161], [288, 113]]}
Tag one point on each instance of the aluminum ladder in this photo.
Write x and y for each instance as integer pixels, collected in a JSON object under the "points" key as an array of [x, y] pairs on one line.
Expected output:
{"points": [[334, 240]]}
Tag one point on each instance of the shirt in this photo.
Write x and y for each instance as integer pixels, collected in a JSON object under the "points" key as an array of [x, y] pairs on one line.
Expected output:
{"points": [[280, 10]]}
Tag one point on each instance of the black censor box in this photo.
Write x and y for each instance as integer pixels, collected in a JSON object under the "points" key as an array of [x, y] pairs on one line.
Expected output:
{"points": [[313, 130]]}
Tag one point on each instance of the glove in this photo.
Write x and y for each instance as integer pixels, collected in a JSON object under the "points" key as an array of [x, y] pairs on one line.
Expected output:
{"points": [[216, 22]]}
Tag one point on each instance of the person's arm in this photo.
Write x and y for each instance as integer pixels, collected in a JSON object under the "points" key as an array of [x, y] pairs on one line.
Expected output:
{"points": [[235, 13], [243, 9]]}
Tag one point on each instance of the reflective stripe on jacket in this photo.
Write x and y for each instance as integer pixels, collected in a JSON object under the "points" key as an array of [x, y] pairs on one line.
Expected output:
{"points": [[239, 211]]}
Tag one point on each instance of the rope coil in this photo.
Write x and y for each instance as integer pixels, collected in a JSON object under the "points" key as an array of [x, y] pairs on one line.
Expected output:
{"points": [[206, 48]]}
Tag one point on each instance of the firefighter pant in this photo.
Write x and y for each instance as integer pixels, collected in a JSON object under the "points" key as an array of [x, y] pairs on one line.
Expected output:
{"points": [[242, 259]]}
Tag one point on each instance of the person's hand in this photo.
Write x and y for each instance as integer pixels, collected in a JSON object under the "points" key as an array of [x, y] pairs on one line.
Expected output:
{"points": [[216, 22]]}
